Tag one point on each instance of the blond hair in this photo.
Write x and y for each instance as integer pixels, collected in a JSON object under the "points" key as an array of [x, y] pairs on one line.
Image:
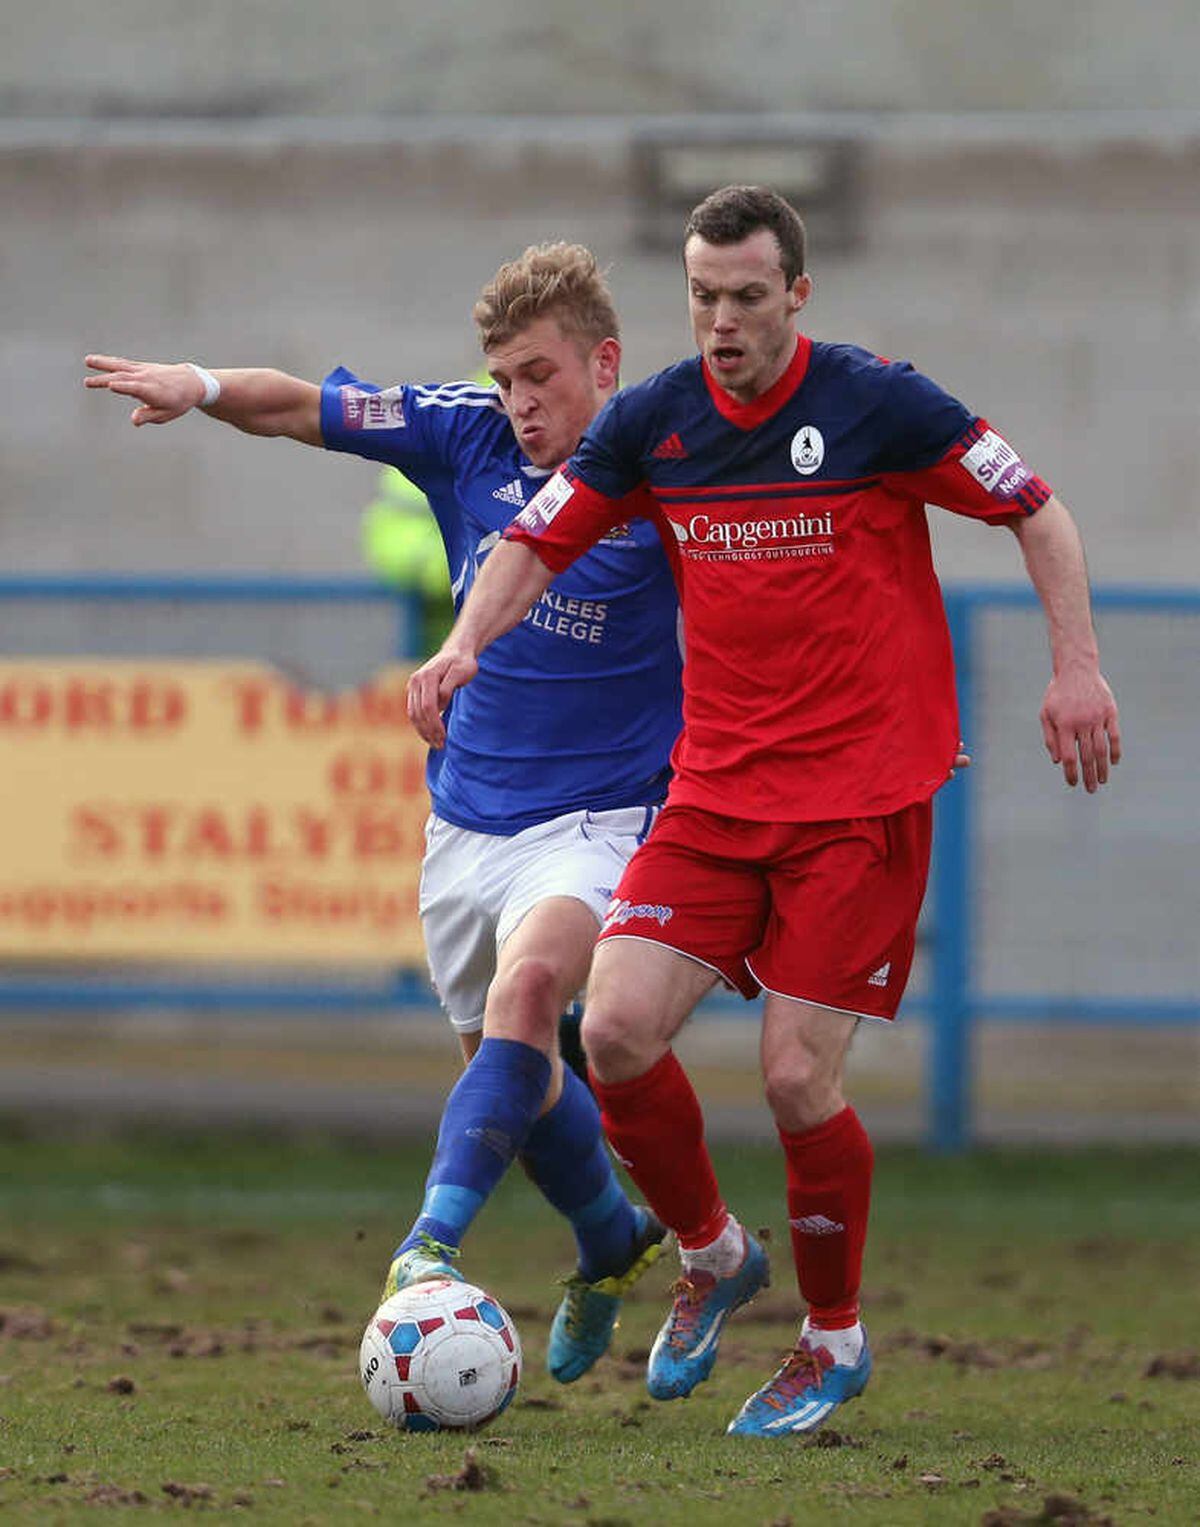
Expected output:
{"points": [[561, 281]]}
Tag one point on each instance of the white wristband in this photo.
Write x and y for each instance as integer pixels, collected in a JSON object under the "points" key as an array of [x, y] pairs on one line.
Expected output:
{"points": [[212, 388]]}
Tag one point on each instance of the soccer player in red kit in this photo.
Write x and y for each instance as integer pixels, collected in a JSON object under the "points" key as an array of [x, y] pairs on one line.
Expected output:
{"points": [[790, 479]]}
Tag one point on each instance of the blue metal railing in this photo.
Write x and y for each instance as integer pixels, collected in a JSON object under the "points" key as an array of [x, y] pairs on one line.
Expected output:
{"points": [[952, 1000], [230, 588]]}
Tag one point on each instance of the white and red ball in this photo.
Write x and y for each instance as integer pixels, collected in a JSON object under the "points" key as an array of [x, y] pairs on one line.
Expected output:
{"points": [[440, 1356]]}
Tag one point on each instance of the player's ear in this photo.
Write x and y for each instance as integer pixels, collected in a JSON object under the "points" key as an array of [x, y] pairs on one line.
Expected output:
{"points": [[606, 361], [801, 291]]}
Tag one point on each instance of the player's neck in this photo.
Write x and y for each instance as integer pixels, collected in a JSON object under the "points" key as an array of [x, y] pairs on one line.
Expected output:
{"points": [[760, 404], [783, 364], [768, 379]]}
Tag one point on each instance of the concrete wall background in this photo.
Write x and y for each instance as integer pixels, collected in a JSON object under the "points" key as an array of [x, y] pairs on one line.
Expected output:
{"points": [[1057, 290], [1053, 283], [156, 56]]}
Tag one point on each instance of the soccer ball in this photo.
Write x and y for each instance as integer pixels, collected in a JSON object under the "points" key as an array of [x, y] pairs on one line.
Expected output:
{"points": [[440, 1355]]}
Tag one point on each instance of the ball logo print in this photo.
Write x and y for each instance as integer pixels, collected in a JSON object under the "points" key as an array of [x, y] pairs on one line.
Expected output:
{"points": [[808, 449], [440, 1356]]}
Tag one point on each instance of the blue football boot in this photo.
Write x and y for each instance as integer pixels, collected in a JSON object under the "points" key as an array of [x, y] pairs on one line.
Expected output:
{"points": [[587, 1317], [805, 1392], [686, 1348], [429, 1259]]}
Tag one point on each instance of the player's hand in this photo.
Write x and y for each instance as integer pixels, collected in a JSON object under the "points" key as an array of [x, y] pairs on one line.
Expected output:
{"points": [[430, 689], [962, 759], [1080, 726], [164, 392]]}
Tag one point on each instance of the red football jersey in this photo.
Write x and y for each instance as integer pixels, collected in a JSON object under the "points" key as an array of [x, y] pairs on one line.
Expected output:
{"points": [[818, 674]]}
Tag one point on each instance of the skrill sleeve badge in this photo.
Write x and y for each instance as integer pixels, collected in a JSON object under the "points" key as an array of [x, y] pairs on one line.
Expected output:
{"points": [[994, 464], [539, 513], [362, 410]]}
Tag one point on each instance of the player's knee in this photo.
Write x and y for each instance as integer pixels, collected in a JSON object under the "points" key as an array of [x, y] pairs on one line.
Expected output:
{"points": [[524, 1002], [616, 1041], [802, 1089]]}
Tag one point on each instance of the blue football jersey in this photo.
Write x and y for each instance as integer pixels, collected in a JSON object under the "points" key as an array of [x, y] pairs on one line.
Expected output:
{"points": [[579, 705]]}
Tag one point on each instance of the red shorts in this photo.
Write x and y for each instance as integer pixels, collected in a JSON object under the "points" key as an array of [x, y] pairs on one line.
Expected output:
{"points": [[822, 912]]}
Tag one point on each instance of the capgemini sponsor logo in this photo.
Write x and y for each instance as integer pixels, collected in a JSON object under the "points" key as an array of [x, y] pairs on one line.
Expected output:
{"points": [[793, 535]]}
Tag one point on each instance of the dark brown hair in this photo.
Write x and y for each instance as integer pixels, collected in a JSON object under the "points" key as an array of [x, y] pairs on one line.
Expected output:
{"points": [[735, 212]]}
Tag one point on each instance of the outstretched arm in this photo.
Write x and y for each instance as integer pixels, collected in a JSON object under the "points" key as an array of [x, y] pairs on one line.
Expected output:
{"points": [[257, 401], [509, 582], [1079, 715]]}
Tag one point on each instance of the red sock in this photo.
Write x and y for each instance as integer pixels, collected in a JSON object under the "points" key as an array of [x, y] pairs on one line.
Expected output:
{"points": [[655, 1125], [829, 1197]]}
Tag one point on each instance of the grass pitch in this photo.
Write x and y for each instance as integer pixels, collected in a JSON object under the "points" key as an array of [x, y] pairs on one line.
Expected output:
{"points": [[179, 1326]]}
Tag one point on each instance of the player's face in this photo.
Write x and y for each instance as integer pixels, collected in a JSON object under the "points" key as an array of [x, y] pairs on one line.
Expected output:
{"points": [[742, 310], [552, 387]]}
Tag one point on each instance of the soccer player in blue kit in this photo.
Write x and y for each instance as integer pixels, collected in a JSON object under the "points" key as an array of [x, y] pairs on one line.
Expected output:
{"points": [[549, 771], [790, 478]]}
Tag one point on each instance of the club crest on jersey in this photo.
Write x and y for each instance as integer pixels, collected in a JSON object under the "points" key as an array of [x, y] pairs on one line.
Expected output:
{"points": [[372, 410], [808, 449], [619, 535], [538, 514]]}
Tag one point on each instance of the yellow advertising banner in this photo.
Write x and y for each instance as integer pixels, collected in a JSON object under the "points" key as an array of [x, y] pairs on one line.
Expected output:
{"points": [[206, 811]]}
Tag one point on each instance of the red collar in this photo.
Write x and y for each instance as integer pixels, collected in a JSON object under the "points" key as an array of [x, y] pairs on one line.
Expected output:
{"points": [[750, 415]]}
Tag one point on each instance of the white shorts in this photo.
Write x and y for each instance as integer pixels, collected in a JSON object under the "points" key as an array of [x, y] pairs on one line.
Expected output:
{"points": [[476, 887]]}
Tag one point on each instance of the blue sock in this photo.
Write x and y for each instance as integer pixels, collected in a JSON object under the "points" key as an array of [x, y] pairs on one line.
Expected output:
{"points": [[486, 1119], [566, 1156]]}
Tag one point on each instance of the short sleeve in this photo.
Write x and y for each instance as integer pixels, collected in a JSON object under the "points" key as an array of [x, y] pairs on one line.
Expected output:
{"points": [[564, 519], [380, 423], [937, 450], [589, 497], [609, 458]]}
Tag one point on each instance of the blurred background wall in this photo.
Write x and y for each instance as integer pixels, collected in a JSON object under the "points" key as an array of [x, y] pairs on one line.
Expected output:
{"points": [[282, 184], [279, 183], [1053, 284], [163, 57]]}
